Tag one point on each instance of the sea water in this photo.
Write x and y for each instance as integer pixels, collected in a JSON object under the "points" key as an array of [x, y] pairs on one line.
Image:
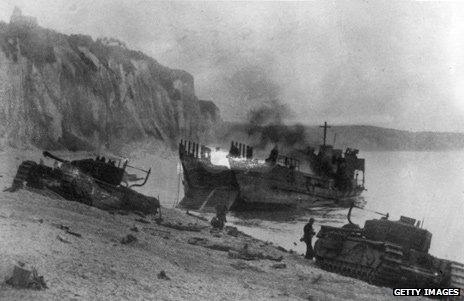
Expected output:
{"points": [[427, 186]]}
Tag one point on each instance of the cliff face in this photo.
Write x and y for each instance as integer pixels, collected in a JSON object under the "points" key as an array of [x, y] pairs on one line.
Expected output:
{"points": [[70, 91]]}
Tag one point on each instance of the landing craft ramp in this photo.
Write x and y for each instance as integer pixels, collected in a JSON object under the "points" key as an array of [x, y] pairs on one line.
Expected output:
{"points": [[219, 195], [205, 184]]}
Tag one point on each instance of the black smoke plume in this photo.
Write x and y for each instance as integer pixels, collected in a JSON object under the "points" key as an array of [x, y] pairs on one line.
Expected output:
{"points": [[268, 122], [254, 86]]}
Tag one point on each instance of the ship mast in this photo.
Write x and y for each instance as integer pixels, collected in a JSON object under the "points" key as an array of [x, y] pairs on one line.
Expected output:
{"points": [[325, 126]]}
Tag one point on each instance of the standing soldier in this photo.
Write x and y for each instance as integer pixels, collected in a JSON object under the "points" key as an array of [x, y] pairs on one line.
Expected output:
{"points": [[273, 156], [221, 211], [308, 233], [220, 219]]}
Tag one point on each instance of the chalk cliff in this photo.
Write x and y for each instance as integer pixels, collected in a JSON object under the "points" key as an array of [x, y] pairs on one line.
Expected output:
{"points": [[60, 91]]}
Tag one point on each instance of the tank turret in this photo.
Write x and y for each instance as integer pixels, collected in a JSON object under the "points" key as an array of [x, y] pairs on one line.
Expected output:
{"points": [[403, 232], [385, 252], [103, 170]]}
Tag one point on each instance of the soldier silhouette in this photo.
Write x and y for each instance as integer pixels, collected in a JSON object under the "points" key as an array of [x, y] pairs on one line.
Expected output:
{"points": [[308, 233], [273, 156]]}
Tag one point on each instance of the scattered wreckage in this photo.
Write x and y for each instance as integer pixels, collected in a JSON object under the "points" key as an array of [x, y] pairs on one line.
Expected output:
{"points": [[94, 182]]}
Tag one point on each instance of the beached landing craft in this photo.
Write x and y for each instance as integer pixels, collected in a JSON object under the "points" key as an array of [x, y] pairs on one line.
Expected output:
{"points": [[384, 252], [331, 179]]}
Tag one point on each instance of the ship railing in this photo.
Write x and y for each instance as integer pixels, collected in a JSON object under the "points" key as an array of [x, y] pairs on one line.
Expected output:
{"points": [[194, 150], [240, 150]]}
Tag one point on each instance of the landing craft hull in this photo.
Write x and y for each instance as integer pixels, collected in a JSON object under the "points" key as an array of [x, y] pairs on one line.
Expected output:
{"points": [[277, 188], [201, 179], [259, 187]]}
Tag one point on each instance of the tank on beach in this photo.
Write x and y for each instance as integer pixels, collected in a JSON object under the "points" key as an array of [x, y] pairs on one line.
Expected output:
{"points": [[385, 252], [93, 181]]}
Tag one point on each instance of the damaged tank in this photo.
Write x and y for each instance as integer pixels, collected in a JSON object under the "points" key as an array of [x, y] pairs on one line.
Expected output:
{"points": [[385, 252], [92, 181]]}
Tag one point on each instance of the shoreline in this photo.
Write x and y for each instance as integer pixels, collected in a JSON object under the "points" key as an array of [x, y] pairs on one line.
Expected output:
{"points": [[98, 266], [103, 264]]}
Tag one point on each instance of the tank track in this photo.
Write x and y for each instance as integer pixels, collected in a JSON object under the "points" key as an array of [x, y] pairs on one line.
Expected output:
{"points": [[386, 273], [358, 271], [74, 189]]}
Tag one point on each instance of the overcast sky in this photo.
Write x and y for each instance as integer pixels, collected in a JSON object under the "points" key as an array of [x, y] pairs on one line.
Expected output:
{"points": [[391, 64]]}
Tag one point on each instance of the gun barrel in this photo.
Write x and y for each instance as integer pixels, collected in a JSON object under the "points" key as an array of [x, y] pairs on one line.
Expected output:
{"points": [[379, 213], [49, 155]]}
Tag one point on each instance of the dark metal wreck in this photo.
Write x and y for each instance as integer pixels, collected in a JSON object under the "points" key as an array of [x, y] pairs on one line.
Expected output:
{"points": [[95, 182], [385, 252]]}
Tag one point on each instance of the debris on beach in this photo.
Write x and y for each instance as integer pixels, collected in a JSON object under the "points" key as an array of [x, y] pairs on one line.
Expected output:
{"points": [[158, 232], [216, 232], [197, 240], [141, 220], [242, 254], [74, 233], [197, 216], [26, 277], [279, 266], [232, 231], [66, 229], [129, 238], [63, 239], [179, 226], [234, 252], [162, 275], [246, 254]]}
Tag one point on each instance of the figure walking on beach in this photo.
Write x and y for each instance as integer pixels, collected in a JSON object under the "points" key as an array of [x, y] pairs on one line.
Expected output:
{"points": [[308, 233]]}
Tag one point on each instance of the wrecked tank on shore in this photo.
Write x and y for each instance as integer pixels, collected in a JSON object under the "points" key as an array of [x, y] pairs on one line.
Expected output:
{"points": [[385, 252], [93, 181]]}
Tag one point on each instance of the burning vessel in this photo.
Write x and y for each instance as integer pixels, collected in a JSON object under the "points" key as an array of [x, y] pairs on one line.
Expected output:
{"points": [[332, 178]]}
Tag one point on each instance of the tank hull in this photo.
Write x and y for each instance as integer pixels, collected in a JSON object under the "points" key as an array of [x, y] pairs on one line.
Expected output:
{"points": [[72, 184], [350, 253]]}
